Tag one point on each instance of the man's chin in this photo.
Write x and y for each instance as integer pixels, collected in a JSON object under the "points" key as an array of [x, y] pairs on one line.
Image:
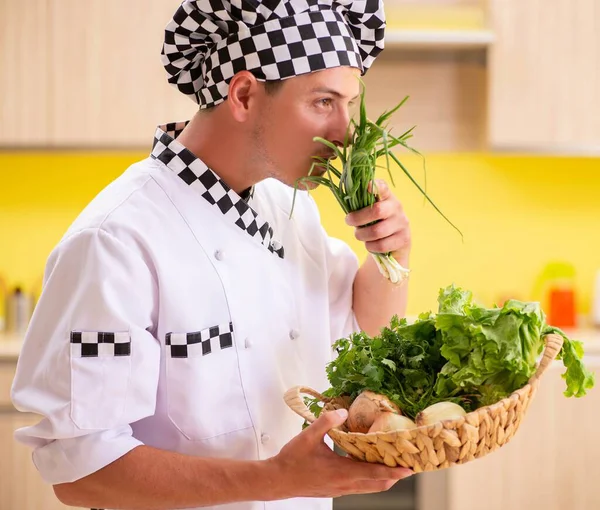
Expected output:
{"points": [[303, 185], [308, 185]]}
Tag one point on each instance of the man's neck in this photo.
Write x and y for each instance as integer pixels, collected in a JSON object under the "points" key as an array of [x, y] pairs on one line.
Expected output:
{"points": [[219, 146]]}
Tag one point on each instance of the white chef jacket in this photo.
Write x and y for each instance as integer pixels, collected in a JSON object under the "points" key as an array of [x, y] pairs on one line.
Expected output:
{"points": [[176, 314]]}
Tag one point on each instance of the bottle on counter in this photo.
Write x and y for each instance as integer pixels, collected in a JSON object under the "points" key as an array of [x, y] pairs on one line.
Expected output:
{"points": [[562, 312], [556, 287], [18, 311]]}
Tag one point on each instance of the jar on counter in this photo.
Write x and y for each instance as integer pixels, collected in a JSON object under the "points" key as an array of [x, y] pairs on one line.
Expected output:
{"points": [[18, 311]]}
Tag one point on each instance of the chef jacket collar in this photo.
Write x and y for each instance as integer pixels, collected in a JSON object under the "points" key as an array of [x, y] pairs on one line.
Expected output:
{"points": [[209, 186]]}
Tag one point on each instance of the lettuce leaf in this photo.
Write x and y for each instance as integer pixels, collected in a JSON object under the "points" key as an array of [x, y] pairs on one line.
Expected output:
{"points": [[490, 352], [465, 353], [578, 378]]}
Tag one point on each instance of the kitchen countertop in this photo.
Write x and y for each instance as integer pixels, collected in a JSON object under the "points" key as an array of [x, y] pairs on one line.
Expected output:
{"points": [[589, 336], [10, 343], [10, 346]]}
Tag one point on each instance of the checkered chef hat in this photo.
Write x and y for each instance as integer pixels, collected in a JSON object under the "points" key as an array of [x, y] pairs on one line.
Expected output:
{"points": [[208, 41]]}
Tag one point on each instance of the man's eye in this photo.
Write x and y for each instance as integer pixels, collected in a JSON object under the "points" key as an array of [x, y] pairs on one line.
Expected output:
{"points": [[326, 101]]}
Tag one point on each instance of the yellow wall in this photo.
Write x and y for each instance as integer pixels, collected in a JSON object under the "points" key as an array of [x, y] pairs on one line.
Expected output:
{"points": [[517, 214]]}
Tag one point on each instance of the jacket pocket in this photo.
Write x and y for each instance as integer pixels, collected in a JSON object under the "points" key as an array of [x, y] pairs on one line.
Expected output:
{"points": [[205, 397], [100, 376]]}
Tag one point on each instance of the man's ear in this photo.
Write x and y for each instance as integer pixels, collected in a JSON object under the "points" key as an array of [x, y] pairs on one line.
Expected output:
{"points": [[243, 93]]}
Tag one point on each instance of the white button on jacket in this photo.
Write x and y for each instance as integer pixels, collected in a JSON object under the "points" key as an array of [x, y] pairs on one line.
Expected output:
{"points": [[140, 335]]}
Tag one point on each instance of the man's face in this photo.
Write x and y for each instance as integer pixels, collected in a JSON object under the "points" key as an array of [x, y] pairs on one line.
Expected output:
{"points": [[316, 104]]}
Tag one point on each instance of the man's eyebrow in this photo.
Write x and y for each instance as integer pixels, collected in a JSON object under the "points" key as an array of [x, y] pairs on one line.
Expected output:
{"points": [[335, 93]]}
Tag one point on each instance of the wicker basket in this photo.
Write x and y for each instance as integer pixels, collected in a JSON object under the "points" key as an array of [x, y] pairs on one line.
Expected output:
{"points": [[439, 445]]}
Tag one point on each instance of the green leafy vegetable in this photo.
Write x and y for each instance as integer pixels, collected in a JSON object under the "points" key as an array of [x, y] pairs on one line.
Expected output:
{"points": [[578, 378], [465, 353]]}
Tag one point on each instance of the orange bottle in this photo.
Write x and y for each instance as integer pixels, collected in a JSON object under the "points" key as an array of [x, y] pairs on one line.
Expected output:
{"points": [[561, 313]]}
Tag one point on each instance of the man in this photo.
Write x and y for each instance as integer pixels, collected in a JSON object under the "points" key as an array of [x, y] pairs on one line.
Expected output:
{"points": [[184, 302]]}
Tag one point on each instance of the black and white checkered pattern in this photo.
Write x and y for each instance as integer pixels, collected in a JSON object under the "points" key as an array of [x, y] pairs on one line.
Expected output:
{"points": [[200, 343], [208, 184], [94, 344], [209, 41]]}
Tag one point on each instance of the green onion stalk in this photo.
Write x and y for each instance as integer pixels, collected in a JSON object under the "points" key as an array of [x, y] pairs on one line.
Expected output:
{"points": [[354, 185]]}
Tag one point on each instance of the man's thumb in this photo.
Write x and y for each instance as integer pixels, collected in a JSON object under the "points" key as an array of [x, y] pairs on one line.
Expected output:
{"points": [[326, 421]]}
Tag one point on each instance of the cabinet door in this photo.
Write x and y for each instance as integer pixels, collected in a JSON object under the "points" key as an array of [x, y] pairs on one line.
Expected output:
{"points": [[545, 75], [21, 486], [7, 374], [107, 84], [23, 73]]}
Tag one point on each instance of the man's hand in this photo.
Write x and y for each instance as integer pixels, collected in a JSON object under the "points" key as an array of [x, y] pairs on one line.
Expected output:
{"points": [[307, 467], [391, 233]]}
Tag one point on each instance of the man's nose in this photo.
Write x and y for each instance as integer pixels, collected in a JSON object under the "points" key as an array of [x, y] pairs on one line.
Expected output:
{"points": [[341, 129]]}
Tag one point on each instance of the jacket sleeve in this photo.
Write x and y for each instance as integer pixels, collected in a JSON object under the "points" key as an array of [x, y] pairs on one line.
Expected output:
{"points": [[90, 364]]}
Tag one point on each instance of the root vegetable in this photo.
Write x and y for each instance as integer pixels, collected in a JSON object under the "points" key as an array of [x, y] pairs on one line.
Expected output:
{"points": [[438, 412], [366, 408], [387, 422], [385, 403]]}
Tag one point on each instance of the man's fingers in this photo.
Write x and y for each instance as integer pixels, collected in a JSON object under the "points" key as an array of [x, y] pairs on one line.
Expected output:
{"points": [[326, 422], [386, 207], [366, 215], [377, 472], [370, 487], [388, 473], [376, 485], [382, 190], [380, 230], [389, 243]]}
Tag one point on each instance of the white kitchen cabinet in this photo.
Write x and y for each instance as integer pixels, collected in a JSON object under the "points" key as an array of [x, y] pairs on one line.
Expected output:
{"points": [[85, 74], [448, 118], [544, 76], [482, 74], [90, 76], [108, 87], [7, 373], [21, 487], [24, 73]]}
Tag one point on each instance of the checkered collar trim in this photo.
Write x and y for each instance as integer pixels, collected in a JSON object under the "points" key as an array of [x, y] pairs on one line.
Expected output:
{"points": [[209, 186]]}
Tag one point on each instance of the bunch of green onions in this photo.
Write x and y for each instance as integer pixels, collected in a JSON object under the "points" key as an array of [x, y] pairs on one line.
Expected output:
{"points": [[354, 186]]}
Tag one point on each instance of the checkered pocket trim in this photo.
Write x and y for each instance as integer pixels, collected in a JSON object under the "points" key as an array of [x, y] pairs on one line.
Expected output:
{"points": [[95, 344], [200, 343]]}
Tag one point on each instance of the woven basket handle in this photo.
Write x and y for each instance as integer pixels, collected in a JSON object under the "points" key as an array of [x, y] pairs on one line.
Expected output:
{"points": [[554, 344], [293, 398]]}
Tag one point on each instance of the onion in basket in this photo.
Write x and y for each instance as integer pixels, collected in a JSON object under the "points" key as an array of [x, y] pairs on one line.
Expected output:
{"points": [[366, 408], [438, 412], [387, 422]]}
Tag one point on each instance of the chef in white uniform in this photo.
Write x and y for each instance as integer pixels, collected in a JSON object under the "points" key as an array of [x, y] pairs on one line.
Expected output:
{"points": [[183, 302]]}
